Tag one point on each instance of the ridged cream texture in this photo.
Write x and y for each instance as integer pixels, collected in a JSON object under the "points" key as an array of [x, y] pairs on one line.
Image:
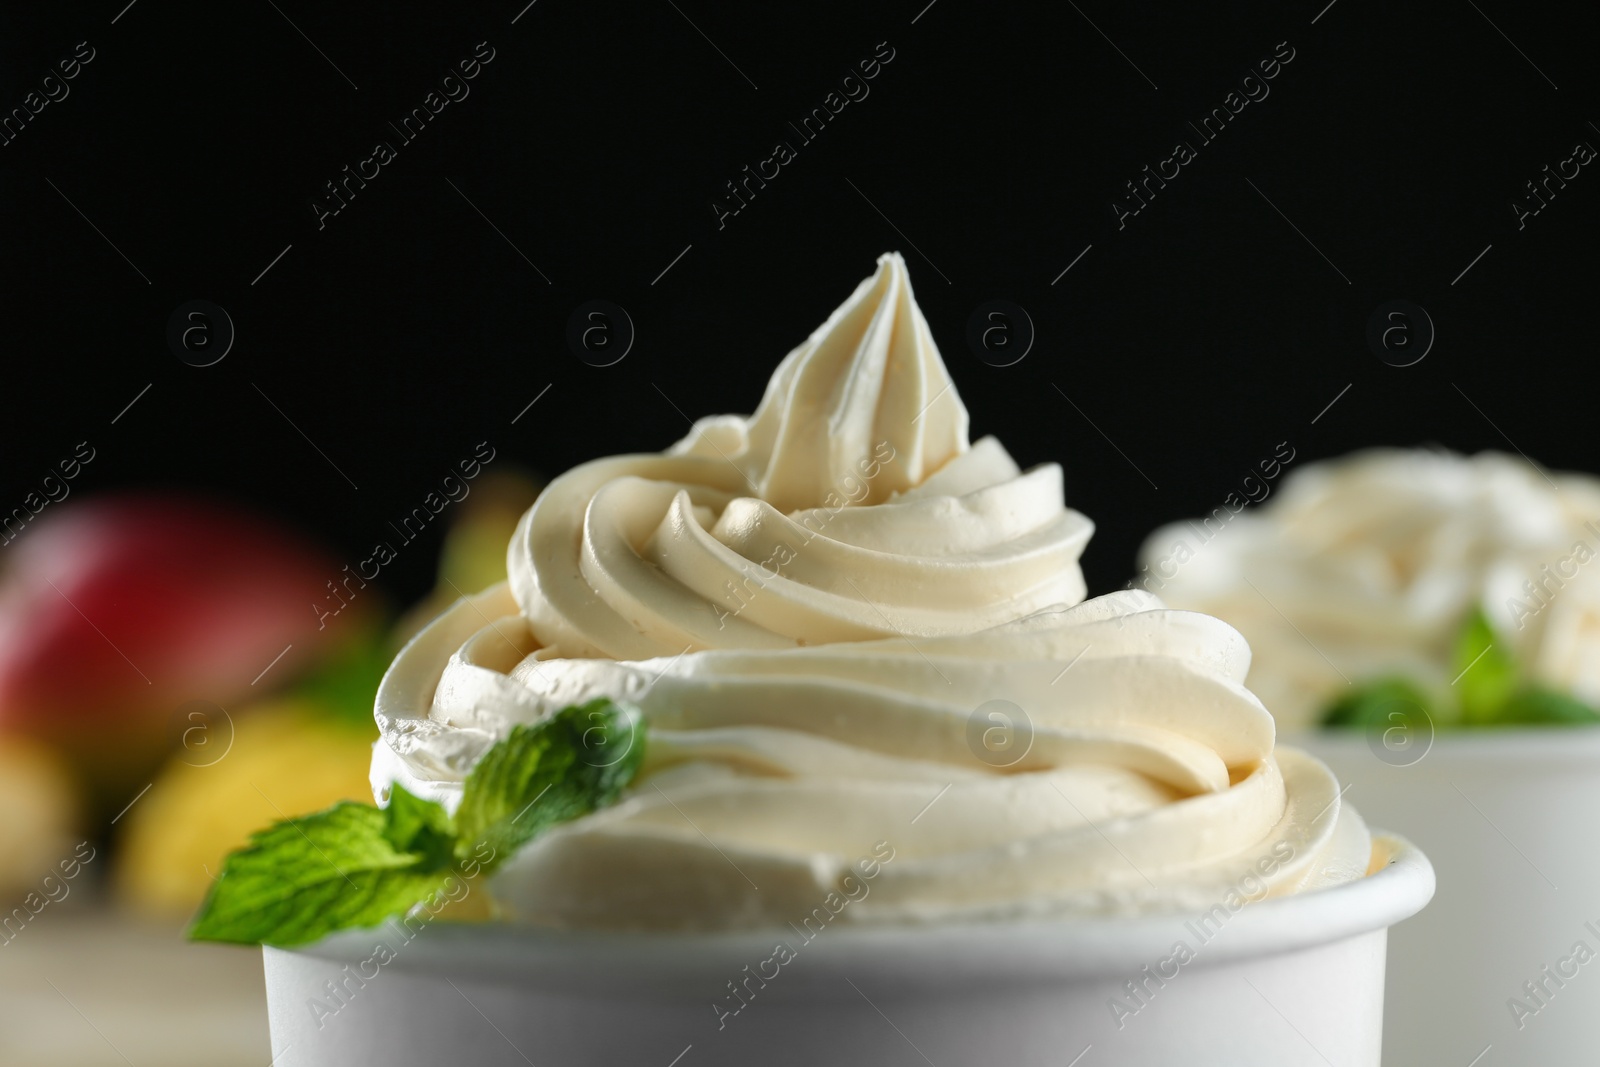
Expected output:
{"points": [[845, 625], [1370, 565]]}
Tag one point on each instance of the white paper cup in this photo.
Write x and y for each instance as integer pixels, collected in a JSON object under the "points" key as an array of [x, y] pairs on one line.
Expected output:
{"points": [[1507, 817], [1289, 981]]}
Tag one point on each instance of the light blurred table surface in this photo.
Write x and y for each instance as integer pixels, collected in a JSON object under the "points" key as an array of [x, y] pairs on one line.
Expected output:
{"points": [[86, 986]]}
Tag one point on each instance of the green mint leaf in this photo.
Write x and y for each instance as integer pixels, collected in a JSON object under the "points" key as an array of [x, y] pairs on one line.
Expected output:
{"points": [[1382, 704], [1488, 690], [419, 826], [1535, 706], [579, 759], [355, 865], [307, 877], [1484, 671]]}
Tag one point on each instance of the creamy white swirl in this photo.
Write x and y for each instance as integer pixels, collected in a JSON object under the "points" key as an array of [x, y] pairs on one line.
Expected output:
{"points": [[1370, 565], [816, 608]]}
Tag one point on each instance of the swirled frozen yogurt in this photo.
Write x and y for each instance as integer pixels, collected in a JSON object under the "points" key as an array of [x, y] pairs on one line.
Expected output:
{"points": [[1368, 565], [860, 643]]}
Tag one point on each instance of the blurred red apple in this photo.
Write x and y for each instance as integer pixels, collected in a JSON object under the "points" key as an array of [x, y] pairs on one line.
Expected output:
{"points": [[116, 611]]}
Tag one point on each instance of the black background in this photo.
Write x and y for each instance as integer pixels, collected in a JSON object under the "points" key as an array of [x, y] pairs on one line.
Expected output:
{"points": [[411, 326]]}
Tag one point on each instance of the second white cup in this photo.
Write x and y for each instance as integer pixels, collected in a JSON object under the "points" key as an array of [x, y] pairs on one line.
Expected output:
{"points": [[1503, 969]]}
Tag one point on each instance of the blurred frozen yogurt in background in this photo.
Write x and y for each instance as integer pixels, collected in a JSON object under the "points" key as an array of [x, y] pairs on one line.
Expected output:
{"points": [[1463, 584]]}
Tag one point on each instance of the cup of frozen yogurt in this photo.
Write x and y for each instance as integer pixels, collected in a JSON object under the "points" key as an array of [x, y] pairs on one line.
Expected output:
{"points": [[1429, 624], [907, 797]]}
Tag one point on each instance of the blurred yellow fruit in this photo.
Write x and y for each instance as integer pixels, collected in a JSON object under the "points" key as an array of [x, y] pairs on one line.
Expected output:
{"points": [[287, 758], [39, 800]]}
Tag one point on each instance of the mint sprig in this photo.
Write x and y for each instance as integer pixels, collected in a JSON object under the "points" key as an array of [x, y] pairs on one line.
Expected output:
{"points": [[354, 865], [1484, 670], [1382, 704], [577, 761], [1489, 690]]}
